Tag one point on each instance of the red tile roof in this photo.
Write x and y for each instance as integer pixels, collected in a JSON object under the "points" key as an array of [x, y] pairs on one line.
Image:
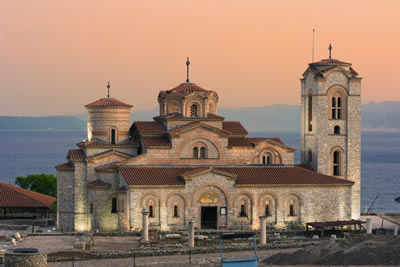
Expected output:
{"points": [[239, 142], [235, 127], [65, 166], [108, 102], [330, 61], [152, 176], [185, 89], [98, 143], [108, 166], [110, 151], [178, 116], [195, 124], [149, 128], [98, 183], [158, 141], [76, 155], [246, 175], [17, 197]]}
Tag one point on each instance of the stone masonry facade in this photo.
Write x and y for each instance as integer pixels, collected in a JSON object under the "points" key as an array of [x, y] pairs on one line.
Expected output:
{"points": [[191, 164]]}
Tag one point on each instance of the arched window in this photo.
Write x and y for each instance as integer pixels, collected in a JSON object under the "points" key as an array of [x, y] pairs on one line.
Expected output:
{"points": [[203, 154], [310, 113], [243, 211], [267, 159], [333, 108], [196, 152], [91, 208], [339, 108], [336, 130], [309, 155], [193, 111], [267, 210], [176, 214], [291, 210], [336, 163], [151, 212], [112, 136], [114, 205]]}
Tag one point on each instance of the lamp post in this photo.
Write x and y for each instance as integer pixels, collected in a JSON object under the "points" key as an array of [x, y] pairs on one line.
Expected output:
{"points": [[397, 199]]}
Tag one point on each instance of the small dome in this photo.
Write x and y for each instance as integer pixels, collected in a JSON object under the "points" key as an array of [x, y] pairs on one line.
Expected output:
{"points": [[108, 102], [330, 61]]}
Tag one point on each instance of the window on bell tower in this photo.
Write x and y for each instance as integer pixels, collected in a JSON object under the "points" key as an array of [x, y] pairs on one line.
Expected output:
{"points": [[336, 163]]}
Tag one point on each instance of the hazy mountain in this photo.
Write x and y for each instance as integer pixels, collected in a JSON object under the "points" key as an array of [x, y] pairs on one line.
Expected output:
{"points": [[375, 116], [42, 123]]}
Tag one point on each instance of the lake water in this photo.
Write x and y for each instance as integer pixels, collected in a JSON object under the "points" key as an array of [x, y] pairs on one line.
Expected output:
{"points": [[26, 152]]}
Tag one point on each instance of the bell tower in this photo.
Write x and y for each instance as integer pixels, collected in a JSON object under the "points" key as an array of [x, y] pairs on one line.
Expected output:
{"points": [[331, 122]]}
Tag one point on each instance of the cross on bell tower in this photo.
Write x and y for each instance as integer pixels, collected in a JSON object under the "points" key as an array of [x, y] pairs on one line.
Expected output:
{"points": [[330, 51], [108, 89]]}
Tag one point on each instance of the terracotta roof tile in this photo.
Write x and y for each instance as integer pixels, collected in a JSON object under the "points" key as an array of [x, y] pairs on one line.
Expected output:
{"points": [[108, 102], [195, 124], [235, 127], [178, 116], [17, 197], [65, 166], [110, 151], [246, 175], [330, 61], [158, 141], [239, 142], [149, 128], [98, 143], [185, 89], [76, 155], [98, 183], [152, 176], [109, 166]]}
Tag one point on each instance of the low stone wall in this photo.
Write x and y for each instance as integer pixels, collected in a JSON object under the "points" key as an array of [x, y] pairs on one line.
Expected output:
{"points": [[25, 260], [35, 222], [155, 251], [13, 227]]}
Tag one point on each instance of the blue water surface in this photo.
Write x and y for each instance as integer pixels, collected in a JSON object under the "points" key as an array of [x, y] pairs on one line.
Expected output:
{"points": [[26, 152]]}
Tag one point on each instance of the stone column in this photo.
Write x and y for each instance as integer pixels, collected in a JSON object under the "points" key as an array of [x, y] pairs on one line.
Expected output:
{"points": [[145, 226], [263, 230], [396, 230], [191, 234], [369, 226]]}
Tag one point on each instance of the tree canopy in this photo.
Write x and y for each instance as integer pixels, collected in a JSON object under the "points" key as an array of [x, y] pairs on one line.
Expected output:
{"points": [[41, 183]]}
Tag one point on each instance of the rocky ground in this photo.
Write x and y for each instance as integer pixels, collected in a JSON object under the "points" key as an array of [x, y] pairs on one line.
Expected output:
{"points": [[361, 250]]}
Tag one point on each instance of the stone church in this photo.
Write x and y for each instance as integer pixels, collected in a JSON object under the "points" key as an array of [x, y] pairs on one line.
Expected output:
{"points": [[189, 163]]}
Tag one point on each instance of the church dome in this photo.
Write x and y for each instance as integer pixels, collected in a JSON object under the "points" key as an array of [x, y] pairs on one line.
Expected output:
{"points": [[108, 102], [329, 61]]}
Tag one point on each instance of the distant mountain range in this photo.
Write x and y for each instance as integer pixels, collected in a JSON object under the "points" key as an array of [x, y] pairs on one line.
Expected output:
{"points": [[383, 116]]}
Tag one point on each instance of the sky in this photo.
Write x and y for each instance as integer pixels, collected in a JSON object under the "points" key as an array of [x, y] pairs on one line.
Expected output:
{"points": [[57, 56]]}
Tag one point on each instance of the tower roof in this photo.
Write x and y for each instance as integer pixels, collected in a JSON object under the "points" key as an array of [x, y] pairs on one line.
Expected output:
{"points": [[329, 62], [185, 89], [108, 102]]}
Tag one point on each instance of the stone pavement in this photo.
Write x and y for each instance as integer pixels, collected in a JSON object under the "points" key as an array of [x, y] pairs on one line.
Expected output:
{"points": [[212, 259]]}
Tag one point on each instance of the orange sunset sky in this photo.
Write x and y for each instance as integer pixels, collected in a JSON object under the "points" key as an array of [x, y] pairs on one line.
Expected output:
{"points": [[57, 56]]}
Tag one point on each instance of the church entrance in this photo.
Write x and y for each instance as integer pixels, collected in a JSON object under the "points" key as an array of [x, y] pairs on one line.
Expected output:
{"points": [[209, 217]]}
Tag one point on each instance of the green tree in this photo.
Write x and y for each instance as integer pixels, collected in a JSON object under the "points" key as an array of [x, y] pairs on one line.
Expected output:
{"points": [[41, 183]]}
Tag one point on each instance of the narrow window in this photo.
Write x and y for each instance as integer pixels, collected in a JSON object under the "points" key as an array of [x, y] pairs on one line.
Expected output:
{"points": [[291, 210], [243, 211], [337, 130], [176, 211], [112, 136], [310, 113], [339, 108], [91, 208], [193, 111], [268, 159], [309, 155], [267, 210], [203, 152], [264, 160], [114, 205], [333, 108], [196, 152], [151, 213], [336, 163]]}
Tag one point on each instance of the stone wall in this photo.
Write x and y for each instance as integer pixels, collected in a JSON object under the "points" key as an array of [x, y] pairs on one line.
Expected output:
{"points": [[65, 200], [311, 203]]}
